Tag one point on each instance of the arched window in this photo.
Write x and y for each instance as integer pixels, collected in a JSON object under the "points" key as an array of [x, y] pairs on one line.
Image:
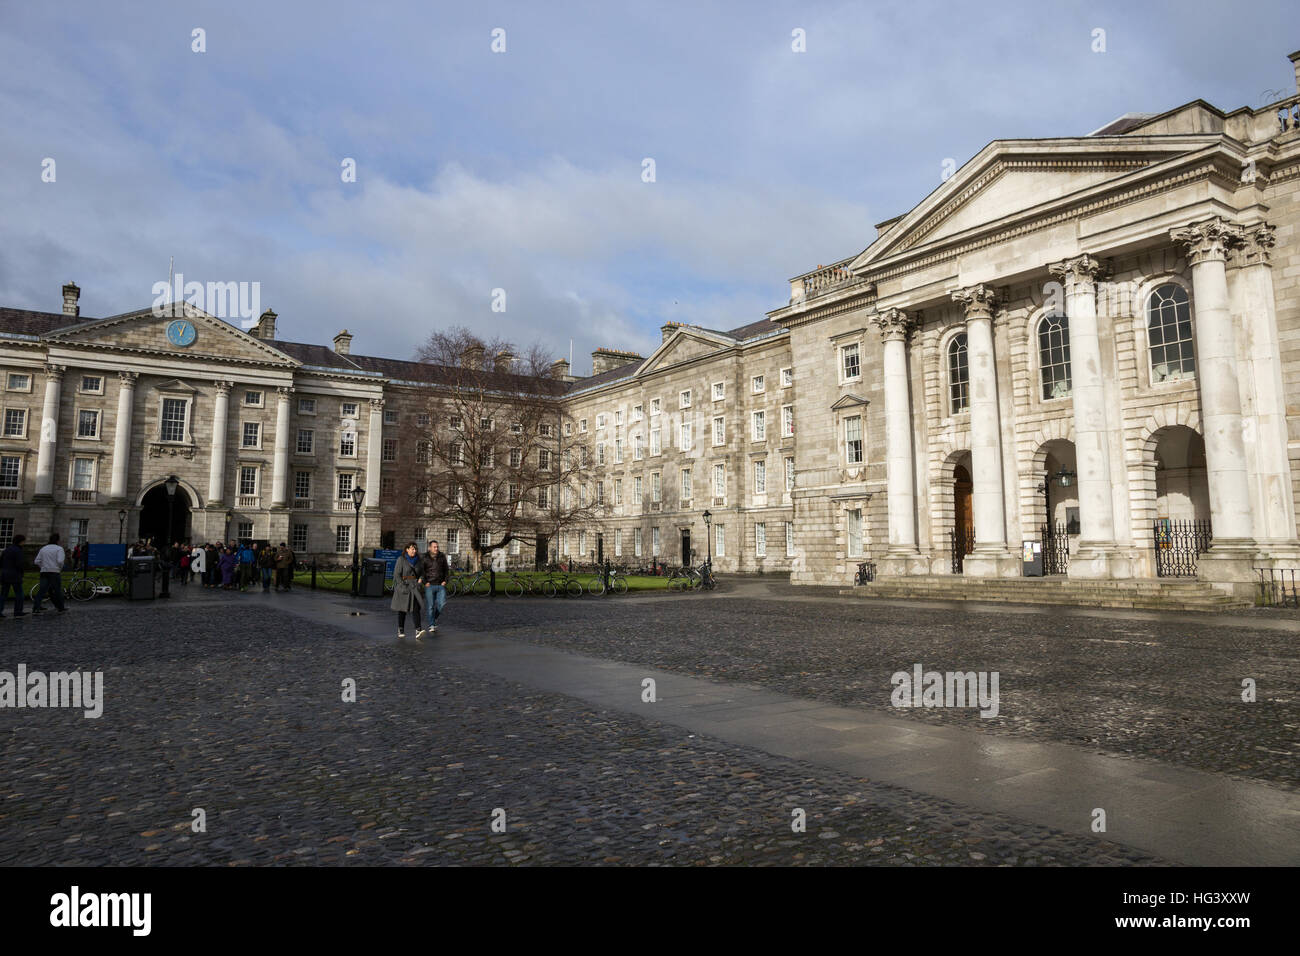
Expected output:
{"points": [[958, 375], [1054, 355], [1169, 333]]}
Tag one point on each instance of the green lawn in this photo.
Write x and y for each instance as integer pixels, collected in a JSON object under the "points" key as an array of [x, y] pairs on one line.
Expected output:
{"points": [[342, 581]]}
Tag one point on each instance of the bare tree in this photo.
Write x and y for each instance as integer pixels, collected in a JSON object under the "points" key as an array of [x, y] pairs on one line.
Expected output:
{"points": [[497, 456]]}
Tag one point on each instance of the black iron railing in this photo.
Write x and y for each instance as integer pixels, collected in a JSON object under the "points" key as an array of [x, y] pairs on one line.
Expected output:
{"points": [[1178, 545], [866, 573], [1056, 548], [961, 542], [1277, 587]]}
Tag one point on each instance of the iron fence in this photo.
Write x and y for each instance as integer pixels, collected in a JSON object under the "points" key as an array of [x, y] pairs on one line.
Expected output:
{"points": [[1178, 545], [1056, 548], [1277, 587], [961, 543]]}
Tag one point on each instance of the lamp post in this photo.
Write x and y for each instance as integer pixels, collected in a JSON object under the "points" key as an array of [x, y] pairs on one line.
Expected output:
{"points": [[358, 496], [230, 516], [170, 484], [708, 533], [121, 524]]}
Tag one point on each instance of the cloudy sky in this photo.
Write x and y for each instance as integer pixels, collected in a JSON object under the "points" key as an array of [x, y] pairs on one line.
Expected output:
{"points": [[523, 170]]}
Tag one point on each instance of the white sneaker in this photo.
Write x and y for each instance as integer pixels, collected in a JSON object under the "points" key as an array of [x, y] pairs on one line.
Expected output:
{"points": [[401, 634], [419, 634]]}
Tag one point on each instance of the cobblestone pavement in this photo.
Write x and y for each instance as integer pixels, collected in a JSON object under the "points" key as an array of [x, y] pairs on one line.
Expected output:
{"points": [[1168, 690], [241, 714]]}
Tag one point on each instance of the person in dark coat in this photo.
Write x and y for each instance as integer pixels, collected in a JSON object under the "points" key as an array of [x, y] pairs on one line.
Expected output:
{"points": [[434, 572], [408, 595], [12, 562], [229, 561]]}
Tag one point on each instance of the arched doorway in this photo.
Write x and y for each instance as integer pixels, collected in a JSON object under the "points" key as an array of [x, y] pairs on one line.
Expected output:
{"points": [[1058, 485], [153, 515], [962, 535], [1182, 487]]}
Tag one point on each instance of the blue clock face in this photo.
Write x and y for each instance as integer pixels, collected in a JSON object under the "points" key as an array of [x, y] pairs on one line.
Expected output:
{"points": [[181, 333]]}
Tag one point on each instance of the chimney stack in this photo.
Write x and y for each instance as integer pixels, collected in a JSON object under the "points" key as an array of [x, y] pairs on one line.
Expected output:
{"points": [[504, 361], [1295, 62], [560, 370], [265, 328], [668, 328], [602, 360], [343, 342], [71, 293], [472, 357]]}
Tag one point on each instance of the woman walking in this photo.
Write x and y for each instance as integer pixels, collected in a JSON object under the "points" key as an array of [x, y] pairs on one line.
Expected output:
{"points": [[408, 596]]}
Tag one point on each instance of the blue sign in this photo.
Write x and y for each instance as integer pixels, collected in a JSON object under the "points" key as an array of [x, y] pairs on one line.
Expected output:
{"points": [[390, 557], [107, 556]]}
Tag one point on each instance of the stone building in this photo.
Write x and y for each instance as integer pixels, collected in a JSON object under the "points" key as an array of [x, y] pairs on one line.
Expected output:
{"points": [[1103, 325], [706, 423]]}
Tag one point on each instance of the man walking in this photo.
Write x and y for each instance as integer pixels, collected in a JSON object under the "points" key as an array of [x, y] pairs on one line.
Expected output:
{"points": [[11, 575], [50, 560], [247, 557], [432, 571]]}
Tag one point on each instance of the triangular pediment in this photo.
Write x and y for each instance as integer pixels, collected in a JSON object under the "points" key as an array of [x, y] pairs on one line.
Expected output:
{"points": [[1011, 181], [849, 401], [683, 345], [175, 385], [145, 331]]}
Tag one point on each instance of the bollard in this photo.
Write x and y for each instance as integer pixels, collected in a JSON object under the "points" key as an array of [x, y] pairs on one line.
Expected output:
{"points": [[313, 574], [492, 582], [606, 576]]}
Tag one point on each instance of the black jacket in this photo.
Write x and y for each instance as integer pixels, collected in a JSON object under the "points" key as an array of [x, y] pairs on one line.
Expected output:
{"points": [[433, 569], [11, 564]]}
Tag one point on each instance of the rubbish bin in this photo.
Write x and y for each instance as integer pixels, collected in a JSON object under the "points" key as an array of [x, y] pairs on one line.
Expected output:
{"points": [[140, 577], [373, 573]]}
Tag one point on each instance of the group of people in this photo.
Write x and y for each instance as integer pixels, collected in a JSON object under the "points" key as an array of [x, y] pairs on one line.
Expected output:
{"points": [[49, 561], [420, 588], [228, 567]]}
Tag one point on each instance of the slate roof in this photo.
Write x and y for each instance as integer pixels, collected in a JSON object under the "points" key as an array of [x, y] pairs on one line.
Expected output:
{"points": [[27, 322]]}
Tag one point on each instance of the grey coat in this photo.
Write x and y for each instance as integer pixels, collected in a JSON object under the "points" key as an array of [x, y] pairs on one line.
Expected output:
{"points": [[407, 594]]}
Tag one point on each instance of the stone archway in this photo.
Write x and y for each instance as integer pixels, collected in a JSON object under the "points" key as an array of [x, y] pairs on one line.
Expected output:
{"points": [[152, 518], [1181, 481]]}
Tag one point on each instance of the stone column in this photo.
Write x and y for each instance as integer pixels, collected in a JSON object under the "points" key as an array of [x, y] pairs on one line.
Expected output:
{"points": [[991, 557], [895, 327], [1265, 433], [1097, 546], [374, 453], [1218, 373], [280, 472], [49, 438], [217, 468], [122, 435]]}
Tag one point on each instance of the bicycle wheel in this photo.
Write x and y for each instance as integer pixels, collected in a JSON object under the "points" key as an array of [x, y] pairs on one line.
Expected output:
{"points": [[32, 593], [573, 587], [596, 585], [515, 588], [482, 585], [82, 589], [618, 585]]}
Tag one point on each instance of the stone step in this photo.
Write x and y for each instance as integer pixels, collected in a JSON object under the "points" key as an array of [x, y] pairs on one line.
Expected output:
{"points": [[1188, 595]]}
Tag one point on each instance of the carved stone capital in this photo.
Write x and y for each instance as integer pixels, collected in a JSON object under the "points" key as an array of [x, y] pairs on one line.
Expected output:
{"points": [[1079, 273], [1257, 249], [128, 379], [377, 404], [1208, 241], [223, 387], [283, 392], [55, 371], [979, 301], [894, 325]]}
